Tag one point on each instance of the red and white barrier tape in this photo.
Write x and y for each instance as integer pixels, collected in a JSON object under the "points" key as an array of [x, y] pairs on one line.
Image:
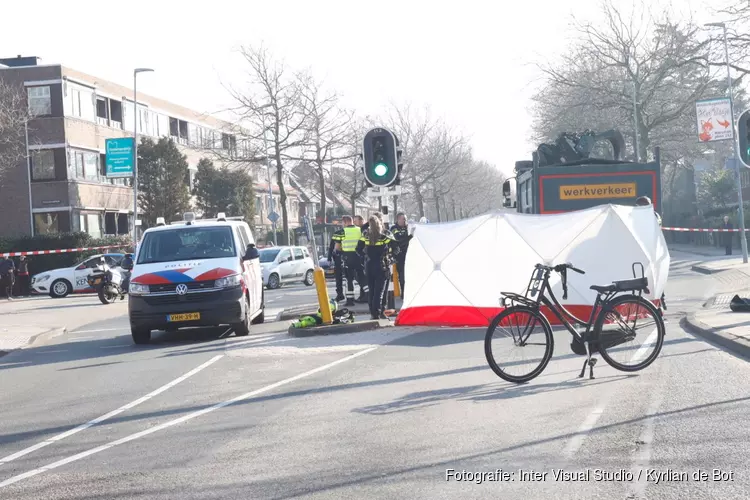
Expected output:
{"points": [[65, 250], [701, 230]]}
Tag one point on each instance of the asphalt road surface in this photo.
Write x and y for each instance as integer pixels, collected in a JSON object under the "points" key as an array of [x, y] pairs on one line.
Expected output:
{"points": [[400, 413]]}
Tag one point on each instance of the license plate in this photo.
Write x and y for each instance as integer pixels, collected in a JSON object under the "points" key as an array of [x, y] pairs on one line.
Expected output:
{"points": [[183, 317]]}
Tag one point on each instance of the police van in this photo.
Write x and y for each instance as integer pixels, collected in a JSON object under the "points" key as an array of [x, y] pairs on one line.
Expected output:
{"points": [[197, 272]]}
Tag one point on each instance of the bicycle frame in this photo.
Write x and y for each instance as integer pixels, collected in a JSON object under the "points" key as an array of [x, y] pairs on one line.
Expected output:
{"points": [[569, 320]]}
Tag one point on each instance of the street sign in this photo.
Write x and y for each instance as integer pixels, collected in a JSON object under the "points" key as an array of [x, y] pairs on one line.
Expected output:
{"points": [[374, 192], [273, 217], [714, 119], [119, 157], [393, 191]]}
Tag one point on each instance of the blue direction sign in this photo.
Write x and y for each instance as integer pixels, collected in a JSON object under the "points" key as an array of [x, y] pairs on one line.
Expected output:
{"points": [[120, 159]]}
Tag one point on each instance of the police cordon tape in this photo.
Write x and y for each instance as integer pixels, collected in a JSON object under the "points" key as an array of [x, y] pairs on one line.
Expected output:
{"points": [[65, 250], [701, 230]]}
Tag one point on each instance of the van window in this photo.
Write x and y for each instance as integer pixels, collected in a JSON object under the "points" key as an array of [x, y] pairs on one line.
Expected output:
{"points": [[186, 243], [248, 236], [298, 254], [243, 239]]}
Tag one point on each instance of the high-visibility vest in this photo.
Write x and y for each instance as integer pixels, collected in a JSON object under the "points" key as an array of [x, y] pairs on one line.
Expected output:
{"points": [[352, 234]]}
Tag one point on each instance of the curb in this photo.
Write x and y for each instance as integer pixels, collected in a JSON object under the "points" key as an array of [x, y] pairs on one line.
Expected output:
{"points": [[306, 309], [362, 326], [39, 338], [737, 345], [698, 268]]}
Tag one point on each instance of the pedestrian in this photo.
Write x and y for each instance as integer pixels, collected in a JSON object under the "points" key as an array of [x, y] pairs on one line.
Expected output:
{"points": [[346, 240], [378, 243], [24, 280], [7, 274], [400, 231], [727, 236]]}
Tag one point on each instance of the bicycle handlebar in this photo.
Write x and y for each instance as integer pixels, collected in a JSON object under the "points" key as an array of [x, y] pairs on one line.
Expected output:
{"points": [[560, 268]]}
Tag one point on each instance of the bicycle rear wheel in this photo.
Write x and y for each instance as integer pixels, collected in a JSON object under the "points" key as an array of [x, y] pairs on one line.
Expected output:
{"points": [[622, 324], [526, 332]]}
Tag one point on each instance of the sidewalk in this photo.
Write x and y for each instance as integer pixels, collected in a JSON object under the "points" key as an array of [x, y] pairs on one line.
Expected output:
{"points": [[724, 327], [33, 320]]}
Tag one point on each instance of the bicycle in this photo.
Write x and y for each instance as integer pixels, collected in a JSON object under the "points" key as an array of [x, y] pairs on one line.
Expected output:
{"points": [[608, 301]]}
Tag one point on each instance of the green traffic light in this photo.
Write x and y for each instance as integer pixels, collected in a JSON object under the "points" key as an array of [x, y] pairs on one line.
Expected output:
{"points": [[381, 169]]}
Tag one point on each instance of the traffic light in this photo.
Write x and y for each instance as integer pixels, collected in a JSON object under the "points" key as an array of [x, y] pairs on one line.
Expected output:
{"points": [[743, 127], [381, 157]]}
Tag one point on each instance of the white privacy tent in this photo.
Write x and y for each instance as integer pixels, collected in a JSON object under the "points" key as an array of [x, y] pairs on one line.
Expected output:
{"points": [[455, 271]]}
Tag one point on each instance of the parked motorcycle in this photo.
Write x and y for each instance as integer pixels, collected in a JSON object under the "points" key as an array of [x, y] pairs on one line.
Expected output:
{"points": [[109, 283]]}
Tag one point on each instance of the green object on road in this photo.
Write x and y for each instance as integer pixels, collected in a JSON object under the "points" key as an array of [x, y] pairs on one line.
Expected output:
{"points": [[339, 317]]}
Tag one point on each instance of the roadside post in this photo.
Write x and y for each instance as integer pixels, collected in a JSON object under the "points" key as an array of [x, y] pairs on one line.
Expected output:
{"points": [[319, 277], [396, 282]]}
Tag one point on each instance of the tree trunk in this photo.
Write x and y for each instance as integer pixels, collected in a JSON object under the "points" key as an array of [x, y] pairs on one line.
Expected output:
{"points": [[437, 204], [453, 207], [322, 185], [282, 197], [395, 208], [420, 202]]}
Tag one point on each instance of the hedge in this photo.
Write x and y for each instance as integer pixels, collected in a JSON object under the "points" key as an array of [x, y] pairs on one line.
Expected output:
{"points": [[40, 263]]}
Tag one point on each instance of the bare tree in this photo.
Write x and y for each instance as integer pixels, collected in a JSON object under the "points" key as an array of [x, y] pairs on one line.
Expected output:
{"points": [[271, 108], [328, 132], [647, 71], [13, 117]]}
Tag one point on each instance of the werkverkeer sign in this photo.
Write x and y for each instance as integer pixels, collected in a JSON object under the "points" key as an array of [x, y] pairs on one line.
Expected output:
{"points": [[120, 159]]}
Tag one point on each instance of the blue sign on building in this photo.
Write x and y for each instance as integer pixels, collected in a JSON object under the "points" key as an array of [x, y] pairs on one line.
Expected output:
{"points": [[120, 158]]}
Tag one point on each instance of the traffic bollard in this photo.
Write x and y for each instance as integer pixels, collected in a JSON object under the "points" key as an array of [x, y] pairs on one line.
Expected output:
{"points": [[323, 300], [391, 300], [396, 282]]}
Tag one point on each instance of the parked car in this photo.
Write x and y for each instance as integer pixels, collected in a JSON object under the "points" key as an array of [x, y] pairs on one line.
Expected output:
{"points": [[282, 265], [59, 283]]}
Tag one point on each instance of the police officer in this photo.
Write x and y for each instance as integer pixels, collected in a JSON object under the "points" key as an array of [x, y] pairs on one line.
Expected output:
{"points": [[379, 245], [335, 256], [346, 240], [400, 232]]}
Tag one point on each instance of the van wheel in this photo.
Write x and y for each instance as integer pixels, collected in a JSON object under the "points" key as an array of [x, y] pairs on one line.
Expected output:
{"points": [[243, 328], [140, 335], [309, 278]]}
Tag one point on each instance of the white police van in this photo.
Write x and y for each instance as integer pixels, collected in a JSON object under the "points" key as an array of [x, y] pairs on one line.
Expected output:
{"points": [[198, 272]]}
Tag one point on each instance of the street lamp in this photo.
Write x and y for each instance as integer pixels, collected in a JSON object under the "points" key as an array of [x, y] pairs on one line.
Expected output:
{"points": [[743, 240], [135, 151]]}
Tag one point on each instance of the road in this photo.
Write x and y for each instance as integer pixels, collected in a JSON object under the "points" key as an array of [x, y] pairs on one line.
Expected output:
{"points": [[383, 414]]}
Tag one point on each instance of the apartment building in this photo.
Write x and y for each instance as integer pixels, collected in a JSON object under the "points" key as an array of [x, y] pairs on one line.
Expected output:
{"points": [[62, 187]]}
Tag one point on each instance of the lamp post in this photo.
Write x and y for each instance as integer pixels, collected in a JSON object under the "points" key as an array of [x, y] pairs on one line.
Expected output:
{"points": [[735, 148], [135, 151]]}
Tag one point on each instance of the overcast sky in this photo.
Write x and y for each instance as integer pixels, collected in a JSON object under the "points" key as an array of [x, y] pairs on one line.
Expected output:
{"points": [[470, 60]]}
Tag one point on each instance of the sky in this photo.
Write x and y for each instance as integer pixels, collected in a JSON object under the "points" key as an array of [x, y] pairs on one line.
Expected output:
{"points": [[471, 61]]}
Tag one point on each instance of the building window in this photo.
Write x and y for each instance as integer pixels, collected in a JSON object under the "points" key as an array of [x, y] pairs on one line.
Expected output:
{"points": [[46, 223], [84, 165], [258, 205], [42, 165], [40, 101], [90, 223]]}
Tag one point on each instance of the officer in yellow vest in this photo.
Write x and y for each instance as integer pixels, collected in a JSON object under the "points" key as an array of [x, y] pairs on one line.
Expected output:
{"points": [[346, 240]]}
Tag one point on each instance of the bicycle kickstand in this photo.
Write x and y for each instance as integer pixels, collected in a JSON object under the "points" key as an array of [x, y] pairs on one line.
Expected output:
{"points": [[588, 361]]}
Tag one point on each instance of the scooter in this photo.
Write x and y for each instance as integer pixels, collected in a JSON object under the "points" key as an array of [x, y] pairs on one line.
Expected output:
{"points": [[110, 284]]}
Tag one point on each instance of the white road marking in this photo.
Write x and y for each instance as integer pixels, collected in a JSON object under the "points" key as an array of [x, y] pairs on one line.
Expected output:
{"points": [[101, 330], [643, 452], [179, 420], [111, 414], [576, 441], [80, 339]]}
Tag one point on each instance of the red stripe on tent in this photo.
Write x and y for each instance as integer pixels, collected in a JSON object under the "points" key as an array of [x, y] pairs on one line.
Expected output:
{"points": [[470, 316]]}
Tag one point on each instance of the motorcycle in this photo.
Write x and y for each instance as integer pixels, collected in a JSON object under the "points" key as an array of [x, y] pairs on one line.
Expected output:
{"points": [[109, 284]]}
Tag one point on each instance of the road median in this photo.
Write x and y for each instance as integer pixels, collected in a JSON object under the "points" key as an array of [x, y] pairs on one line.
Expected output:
{"points": [[725, 328]]}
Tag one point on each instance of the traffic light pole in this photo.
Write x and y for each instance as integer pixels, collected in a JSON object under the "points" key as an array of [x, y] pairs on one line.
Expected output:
{"points": [[735, 144]]}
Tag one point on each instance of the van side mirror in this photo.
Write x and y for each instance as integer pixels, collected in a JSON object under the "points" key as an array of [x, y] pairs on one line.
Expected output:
{"points": [[251, 253]]}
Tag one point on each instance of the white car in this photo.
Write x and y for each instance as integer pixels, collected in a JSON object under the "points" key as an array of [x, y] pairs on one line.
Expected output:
{"points": [[286, 264], [62, 282]]}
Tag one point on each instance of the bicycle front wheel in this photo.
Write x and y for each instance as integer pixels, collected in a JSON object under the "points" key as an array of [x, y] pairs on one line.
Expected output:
{"points": [[629, 332], [527, 335]]}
